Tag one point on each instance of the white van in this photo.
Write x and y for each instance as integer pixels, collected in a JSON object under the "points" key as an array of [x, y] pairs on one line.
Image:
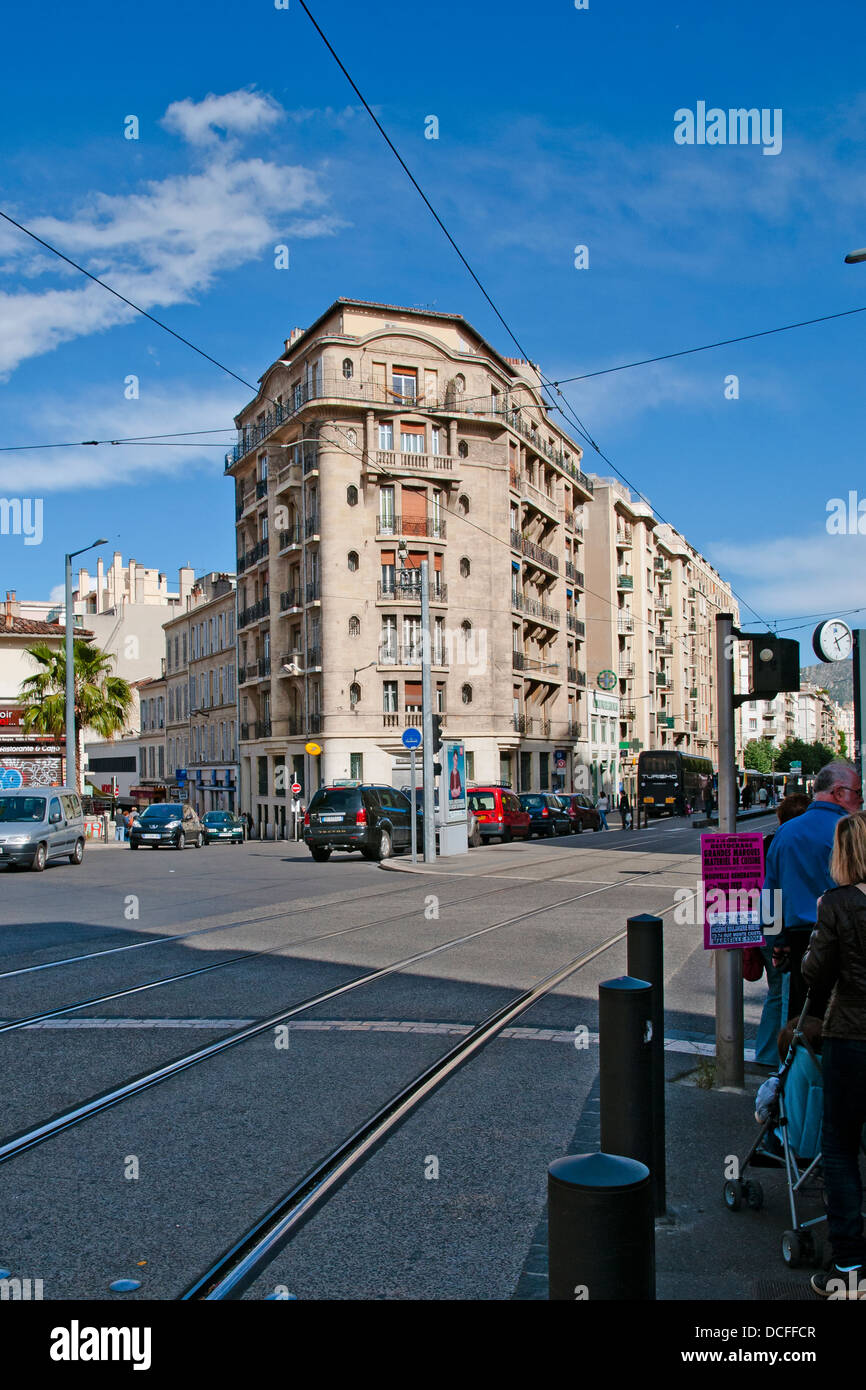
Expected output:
{"points": [[41, 823]]}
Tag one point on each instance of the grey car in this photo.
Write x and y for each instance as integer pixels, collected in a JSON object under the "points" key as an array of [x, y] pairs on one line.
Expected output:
{"points": [[41, 823]]}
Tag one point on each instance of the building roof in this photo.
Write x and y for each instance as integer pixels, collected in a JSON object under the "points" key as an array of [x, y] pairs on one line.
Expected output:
{"points": [[29, 627]]}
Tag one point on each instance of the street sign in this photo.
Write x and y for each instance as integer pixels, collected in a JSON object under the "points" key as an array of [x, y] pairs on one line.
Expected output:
{"points": [[313, 749], [625, 745], [296, 789], [796, 767], [180, 775], [411, 738]]}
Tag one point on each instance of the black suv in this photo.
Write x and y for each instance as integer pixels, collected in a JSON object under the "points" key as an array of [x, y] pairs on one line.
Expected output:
{"points": [[372, 819], [167, 823]]}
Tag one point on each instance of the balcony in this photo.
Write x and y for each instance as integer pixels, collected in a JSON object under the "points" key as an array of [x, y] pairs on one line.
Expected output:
{"points": [[261, 489], [662, 680], [314, 658], [518, 661], [571, 674], [538, 727], [626, 670], [255, 612], [519, 723], [624, 540], [409, 654], [262, 728], [629, 715], [575, 729], [314, 592], [693, 693], [575, 625], [665, 721], [409, 591], [624, 625], [431, 527], [516, 538], [542, 501], [409, 719], [664, 611], [414, 463], [315, 722], [245, 732], [664, 647], [663, 576], [253, 556], [311, 526], [581, 678], [574, 523], [693, 627], [625, 581], [290, 599], [254, 670], [534, 608], [295, 658], [290, 537], [538, 554]]}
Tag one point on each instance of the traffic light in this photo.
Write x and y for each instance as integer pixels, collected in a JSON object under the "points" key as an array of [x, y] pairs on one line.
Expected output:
{"points": [[437, 744], [775, 664]]}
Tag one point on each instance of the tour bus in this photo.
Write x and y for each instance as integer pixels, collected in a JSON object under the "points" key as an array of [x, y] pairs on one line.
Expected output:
{"points": [[668, 781]]}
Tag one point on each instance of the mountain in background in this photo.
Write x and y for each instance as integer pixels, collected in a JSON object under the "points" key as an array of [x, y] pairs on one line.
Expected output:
{"points": [[836, 677]]}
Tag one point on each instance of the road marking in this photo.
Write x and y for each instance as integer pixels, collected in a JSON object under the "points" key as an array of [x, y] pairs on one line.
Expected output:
{"points": [[375, 1025]]}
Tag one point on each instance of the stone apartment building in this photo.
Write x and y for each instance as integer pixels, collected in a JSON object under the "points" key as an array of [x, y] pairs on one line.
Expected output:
{"points": [[382, 437], [651, 604]]}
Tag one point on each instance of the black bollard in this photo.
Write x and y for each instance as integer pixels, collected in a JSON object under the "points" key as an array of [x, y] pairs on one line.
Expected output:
{"points": [[601, 1236], [646, 961], [625, 1067]]}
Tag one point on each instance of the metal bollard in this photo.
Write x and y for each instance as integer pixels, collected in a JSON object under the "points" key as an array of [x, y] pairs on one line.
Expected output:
{"points": [[625, 1065], [646, 962], [601, 1236]]}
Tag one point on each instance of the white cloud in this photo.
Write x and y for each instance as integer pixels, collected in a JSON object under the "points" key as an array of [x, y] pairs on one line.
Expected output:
{"points": [[793, 575], [100, 416], [236, 113], [163, 245]]}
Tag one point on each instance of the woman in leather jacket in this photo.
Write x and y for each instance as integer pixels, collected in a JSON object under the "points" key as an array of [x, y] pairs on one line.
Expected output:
{"points": [[836, 959]]}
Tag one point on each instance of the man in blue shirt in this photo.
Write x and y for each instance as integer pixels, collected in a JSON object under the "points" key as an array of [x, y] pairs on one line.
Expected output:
{"points": [[798, 863]]}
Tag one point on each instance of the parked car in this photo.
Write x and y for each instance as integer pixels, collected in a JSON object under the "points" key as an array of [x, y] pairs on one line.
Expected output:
{"points": [[38, 824], [167, 823], [221, 827], [499, 813], [582, 812], [547, 814], [371, 818]]}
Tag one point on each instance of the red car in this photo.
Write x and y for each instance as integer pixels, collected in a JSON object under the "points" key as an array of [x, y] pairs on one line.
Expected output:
{"points": [[499, 813], [582, 812]]}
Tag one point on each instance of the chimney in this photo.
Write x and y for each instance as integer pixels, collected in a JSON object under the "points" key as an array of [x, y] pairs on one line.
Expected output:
{"points": [[10, 609], [296, 334], [100, 582]]}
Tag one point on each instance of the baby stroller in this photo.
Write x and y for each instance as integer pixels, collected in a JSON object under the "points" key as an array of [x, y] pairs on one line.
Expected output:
{"points": [[790, 1108]]}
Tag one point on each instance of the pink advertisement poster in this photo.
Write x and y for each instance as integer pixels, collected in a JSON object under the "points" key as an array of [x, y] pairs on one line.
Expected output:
{"points": [[732, 873]]}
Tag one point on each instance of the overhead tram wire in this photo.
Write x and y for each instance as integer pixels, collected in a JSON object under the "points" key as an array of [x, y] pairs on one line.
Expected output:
{"points": [[501, 317]]}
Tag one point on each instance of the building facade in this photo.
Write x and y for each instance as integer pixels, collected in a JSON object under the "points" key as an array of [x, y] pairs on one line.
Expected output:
{"points": [[381, 439]]}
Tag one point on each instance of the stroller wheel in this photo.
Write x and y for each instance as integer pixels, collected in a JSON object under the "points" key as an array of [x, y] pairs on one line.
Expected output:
{"points": [[733, 1194], [794, 1250], [754, 1194]]}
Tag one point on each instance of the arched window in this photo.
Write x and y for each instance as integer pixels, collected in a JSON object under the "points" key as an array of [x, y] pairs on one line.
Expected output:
{"points": [[463, 504], [463, 449], [466, 627], [354, 626], [352, 495], [354, 694], [466, 694], [465, 567], [348, 368], [353, 560], [460, 382]]}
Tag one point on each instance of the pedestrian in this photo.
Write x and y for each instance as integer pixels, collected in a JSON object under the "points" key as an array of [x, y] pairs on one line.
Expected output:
{"points": [[747, 797], [798, 865], [119, 824], [836, 959], [131, 818], [772, 1014], [708, 798], [603, 806], [625, 810], [762, 795]]}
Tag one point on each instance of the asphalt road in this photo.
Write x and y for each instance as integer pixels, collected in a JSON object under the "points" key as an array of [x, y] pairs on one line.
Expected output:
{"points": [[156, 1187]]}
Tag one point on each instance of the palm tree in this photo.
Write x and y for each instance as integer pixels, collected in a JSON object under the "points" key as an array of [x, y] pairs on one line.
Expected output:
{"points": [[102, 700]]}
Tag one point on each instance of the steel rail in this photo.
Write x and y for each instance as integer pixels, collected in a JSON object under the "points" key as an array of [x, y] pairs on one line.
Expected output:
{"points": [[28, 1139], [233, 1273]]}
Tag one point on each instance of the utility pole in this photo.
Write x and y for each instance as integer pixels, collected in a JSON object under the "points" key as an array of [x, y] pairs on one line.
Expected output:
{"points": [[427, 722], [729, 964]]}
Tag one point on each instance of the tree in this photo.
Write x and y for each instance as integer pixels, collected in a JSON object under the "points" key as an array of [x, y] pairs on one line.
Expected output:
{"points": [[813, 756], [843, 744], [102, 700], [759, 754]]}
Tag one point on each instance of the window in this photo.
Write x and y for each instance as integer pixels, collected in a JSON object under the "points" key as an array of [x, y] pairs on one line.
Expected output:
{"points": [[435, 440], [356, 767], [470, 767], [348, 368], [389, 697], [386, 510], [404, 384], [460, 382], [354, 626], [466, 627], [465, 567], [386, 434], [353, 560], [389, 638], [352, 495], [412, 439], [462, 449], [175, 652], [354, 697], [463, 504], [183, 648], [466, 694]]}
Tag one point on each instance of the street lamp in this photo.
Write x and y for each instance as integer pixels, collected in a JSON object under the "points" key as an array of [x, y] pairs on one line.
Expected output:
{"points": [[71, 751], [854, 257]]}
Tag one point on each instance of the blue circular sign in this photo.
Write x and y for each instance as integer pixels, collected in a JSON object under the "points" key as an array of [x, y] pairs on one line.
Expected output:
{"points": [[411, 738], [11, 779]]}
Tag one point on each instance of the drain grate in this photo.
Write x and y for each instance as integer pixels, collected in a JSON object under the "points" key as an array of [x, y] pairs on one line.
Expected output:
{"points": [[783, 1291]]}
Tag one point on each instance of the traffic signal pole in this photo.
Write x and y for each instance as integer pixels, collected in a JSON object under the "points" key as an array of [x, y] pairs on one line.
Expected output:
{"points": [[729, 963], [427, 722]]}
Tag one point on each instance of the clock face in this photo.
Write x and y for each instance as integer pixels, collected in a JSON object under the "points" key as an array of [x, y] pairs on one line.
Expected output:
{"points": [[833, 640]]}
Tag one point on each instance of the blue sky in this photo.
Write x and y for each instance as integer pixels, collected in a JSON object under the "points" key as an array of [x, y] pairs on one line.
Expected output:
{"points": [[555, 129]]}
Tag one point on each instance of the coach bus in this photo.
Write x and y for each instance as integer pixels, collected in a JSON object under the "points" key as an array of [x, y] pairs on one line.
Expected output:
{"points": [[667, 781]]}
